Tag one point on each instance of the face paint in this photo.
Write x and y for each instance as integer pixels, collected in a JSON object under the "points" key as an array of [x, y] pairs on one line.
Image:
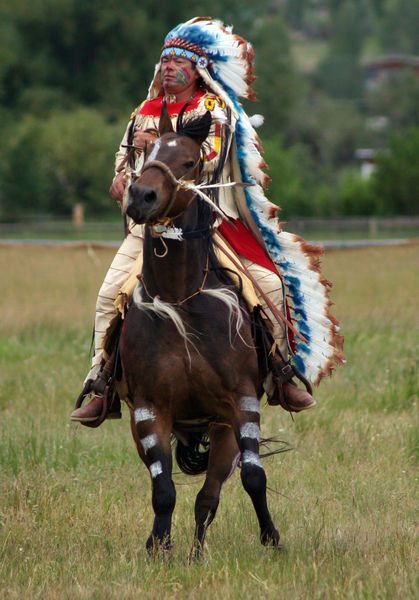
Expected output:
{"points": [[183, 76], [177, 74]]}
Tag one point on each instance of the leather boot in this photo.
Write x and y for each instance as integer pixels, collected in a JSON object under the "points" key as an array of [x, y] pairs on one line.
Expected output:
{"points": [[281, 389], [296, 399], [90, 411], [94, 410]]}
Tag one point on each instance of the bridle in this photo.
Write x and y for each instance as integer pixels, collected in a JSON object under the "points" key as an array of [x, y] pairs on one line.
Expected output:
{"points": [[160, 225], [181, 184], [178, 184], [164, 219]]}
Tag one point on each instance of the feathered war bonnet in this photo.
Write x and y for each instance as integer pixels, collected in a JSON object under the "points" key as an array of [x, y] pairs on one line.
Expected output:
{"points": [[223, 60], [225, 63]]}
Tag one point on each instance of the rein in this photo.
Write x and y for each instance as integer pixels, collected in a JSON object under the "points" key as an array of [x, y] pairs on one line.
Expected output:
{"points": [[277, 314], [178, 302]]}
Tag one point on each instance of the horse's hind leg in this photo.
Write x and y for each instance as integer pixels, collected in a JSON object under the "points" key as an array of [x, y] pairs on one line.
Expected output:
{"points": [[223, 457], [152, 437], [252, 473]]}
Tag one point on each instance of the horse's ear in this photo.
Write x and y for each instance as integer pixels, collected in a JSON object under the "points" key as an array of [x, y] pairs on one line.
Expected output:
{"points": [[197, 129], [165, 123]]}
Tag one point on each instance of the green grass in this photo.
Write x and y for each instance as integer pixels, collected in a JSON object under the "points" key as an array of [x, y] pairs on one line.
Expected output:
{"points": [[75, 506]]}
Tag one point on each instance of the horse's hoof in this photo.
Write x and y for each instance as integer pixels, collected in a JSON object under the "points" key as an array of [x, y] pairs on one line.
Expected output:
{"points": [[270, 537], [158, 548], [195, 555]]}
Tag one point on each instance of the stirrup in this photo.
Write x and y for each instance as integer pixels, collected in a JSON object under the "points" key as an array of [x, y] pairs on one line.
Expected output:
{"points": [[111, 407], [282, 372]]}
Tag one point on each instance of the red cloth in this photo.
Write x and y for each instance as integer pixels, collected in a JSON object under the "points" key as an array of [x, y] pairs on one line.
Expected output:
{"points": [[153, 107], [245, 243]]}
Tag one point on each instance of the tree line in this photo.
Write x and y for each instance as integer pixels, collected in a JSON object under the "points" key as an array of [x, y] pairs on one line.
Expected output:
{"points": [[71, 72]]}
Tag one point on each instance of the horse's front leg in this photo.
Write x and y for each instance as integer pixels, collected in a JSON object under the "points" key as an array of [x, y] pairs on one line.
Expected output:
{"points": [[223, 458], [151, 432], [252, 473]]}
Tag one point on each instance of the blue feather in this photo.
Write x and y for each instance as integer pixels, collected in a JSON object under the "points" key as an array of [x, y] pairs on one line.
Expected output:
{"points": [[302, 348], [299, 364]]}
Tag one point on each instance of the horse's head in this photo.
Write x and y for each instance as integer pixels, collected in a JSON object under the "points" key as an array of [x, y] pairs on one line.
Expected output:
{"points": [[156, 193]]}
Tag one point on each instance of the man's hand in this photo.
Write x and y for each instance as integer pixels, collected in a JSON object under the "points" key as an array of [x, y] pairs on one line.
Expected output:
{"points": [[141, 138], [117, 188]]}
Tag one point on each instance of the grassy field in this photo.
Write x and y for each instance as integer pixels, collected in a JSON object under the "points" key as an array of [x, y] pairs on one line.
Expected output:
{"points": [[75, 505]]}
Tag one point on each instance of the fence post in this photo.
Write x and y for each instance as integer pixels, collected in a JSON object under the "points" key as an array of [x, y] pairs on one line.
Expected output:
{"points": [[78, 215]]}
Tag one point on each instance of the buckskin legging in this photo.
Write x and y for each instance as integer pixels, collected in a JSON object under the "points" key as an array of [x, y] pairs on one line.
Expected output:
{"points": [[120, 269]]}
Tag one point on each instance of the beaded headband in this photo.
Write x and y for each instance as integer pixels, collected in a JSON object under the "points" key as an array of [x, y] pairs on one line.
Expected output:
{"points": [[177, 46]]}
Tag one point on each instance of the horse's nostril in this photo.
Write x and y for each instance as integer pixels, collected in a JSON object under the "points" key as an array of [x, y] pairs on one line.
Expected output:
{"points": [[149, 195], [140, 193]]}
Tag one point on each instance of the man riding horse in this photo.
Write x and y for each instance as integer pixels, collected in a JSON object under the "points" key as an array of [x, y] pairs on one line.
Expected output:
{"points": [[205, 67]]}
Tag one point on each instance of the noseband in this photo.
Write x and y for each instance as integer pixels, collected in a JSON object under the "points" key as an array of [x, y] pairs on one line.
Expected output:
{"points": [[178, 184]]}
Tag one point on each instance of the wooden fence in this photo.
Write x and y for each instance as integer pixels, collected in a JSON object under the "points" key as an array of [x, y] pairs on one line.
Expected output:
{"points": [[370, 226]]}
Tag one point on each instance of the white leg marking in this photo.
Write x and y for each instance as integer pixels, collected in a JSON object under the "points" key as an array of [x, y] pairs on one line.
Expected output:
{"points": [[144, 414], [251, 458], [250, 430], [250, 404], [149, 442], [156, 469]]}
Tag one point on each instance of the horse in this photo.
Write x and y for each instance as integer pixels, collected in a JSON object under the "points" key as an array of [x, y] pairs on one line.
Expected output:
{"points": [[189, 363]]}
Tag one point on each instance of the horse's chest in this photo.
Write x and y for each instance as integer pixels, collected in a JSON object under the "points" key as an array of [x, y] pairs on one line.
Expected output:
{"points": [[184, 339], [200, 361], [171, 367]]}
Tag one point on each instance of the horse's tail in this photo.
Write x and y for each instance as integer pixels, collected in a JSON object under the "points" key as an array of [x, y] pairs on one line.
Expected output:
{"points": [[192, 458]]}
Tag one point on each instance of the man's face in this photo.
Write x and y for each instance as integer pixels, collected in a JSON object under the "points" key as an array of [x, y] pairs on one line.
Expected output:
{"points": [[178, 74]]}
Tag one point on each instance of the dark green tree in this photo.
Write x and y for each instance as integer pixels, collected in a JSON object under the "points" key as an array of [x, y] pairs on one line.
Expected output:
{"points": [[399, 28], [53, 164], [278, 85], [397, 100], [396, 180]]}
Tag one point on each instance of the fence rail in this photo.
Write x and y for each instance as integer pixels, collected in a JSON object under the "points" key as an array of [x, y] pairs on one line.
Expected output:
{"points": [[314, 230], [370, 223]]}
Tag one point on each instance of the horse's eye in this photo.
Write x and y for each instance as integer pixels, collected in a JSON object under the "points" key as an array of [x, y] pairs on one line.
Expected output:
{"points": [[188, 165]]}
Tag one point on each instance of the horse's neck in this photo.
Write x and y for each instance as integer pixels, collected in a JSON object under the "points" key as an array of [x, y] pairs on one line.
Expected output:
{"points": [[180, 272]]}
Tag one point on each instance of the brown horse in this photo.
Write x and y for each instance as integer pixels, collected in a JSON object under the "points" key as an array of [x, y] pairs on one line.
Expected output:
{"points": [[189, 361]]}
